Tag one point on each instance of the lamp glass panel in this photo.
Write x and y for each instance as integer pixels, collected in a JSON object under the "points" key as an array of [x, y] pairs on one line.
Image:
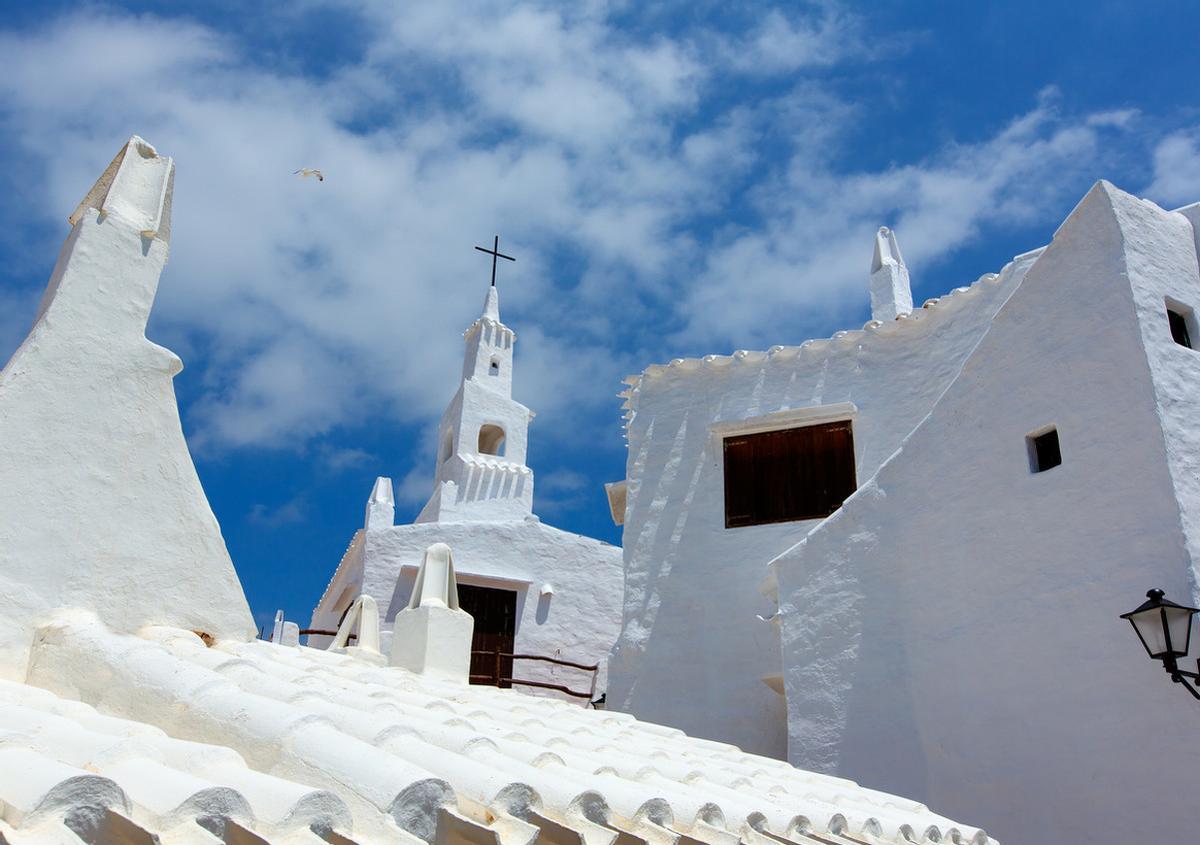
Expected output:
{"points": [[1179, 623], [1149, 626]]}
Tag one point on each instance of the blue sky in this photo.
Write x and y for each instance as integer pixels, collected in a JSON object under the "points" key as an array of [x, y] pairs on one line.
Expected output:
{"points": [[675, 179]]}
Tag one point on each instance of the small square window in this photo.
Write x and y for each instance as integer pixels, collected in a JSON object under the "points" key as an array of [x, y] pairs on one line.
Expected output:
{"points": [[1182, 322], [1044, 452]]}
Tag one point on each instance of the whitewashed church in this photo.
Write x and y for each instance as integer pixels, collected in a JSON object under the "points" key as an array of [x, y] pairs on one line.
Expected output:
{"points": [[137, 707], [531, 588], [901, 552], [897, 554]]}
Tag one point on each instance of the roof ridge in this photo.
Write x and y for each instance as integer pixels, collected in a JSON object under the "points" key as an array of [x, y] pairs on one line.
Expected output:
{"points": [[872, 328]]}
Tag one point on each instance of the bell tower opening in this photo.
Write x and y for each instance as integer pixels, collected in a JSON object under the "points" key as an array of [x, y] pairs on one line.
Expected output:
{"points": [[491, 440]]}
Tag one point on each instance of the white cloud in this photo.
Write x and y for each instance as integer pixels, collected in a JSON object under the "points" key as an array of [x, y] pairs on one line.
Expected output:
{"points": [[319, 303], [416, 487], [562, 490], [779, 43], [279, 516], [1177, 169], [814, 246], [312, 305], [336, 459], [563, 481]]}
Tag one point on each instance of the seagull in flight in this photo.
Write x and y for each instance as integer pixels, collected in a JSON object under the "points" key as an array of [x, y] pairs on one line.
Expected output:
{"points": [[305, 172]]}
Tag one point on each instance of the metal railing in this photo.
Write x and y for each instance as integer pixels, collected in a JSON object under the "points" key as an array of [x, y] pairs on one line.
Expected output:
{"points": [[323, 633], [499, 678]]}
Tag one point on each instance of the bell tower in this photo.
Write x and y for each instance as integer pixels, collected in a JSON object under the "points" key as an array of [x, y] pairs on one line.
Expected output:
{"points": [[481, 474]]}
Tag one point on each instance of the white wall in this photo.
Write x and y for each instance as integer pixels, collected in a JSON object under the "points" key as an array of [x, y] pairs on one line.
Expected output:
{"points": [[953, 632], [579, 622], [480, 403], [102, 506], [1162, 263], [469, 486], [692, 652]]}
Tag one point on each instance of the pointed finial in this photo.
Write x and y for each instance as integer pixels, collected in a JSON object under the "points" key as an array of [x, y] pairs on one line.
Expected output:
{"points": [[891, 294], [363, 615], [382, 491], [381, 507], [436, 583], [491, 305]]}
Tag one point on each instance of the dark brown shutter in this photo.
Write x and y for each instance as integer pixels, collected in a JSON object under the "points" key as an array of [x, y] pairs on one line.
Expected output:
{"points": [[780, 476]]}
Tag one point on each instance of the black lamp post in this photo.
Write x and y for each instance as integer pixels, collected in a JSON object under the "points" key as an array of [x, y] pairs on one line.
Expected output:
{"points": [[1164, 629]]}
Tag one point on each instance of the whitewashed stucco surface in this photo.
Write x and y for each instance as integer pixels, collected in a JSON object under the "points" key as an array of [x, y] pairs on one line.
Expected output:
{"points": [[691, 650], [952, 631], [579, 622], [1160, 265], [482, 507], [99, 498]]}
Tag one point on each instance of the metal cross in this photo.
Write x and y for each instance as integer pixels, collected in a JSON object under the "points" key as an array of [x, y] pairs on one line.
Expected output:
{"points": [[495, 253]]}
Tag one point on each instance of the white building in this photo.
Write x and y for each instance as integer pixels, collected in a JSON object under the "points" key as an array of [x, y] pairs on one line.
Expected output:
{"points": [[533, 589], [136, 707], [1018, 463]]}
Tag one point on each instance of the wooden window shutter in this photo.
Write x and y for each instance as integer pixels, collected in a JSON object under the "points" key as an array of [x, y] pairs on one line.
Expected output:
{"points": [[793, 474]]}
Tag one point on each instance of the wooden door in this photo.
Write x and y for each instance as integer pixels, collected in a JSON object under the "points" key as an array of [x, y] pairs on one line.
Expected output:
{"points": [[495, 614]]}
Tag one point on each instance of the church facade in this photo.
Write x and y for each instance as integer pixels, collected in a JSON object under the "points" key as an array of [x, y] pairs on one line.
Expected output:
{"points": [[925, 531], [531, 588]]}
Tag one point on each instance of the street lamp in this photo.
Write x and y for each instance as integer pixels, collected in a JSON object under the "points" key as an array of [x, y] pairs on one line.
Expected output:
{"points": [[1164, 629]]}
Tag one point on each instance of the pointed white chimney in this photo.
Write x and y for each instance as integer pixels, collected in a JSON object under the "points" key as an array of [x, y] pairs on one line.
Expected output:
{"points": [[891, 294], [436, 585], [86, 372], [432, 636], [381, 507], [136, 186]]}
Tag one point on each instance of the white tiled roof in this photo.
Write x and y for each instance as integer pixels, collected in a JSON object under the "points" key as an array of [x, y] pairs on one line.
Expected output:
{"points": [[245, 742]]}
